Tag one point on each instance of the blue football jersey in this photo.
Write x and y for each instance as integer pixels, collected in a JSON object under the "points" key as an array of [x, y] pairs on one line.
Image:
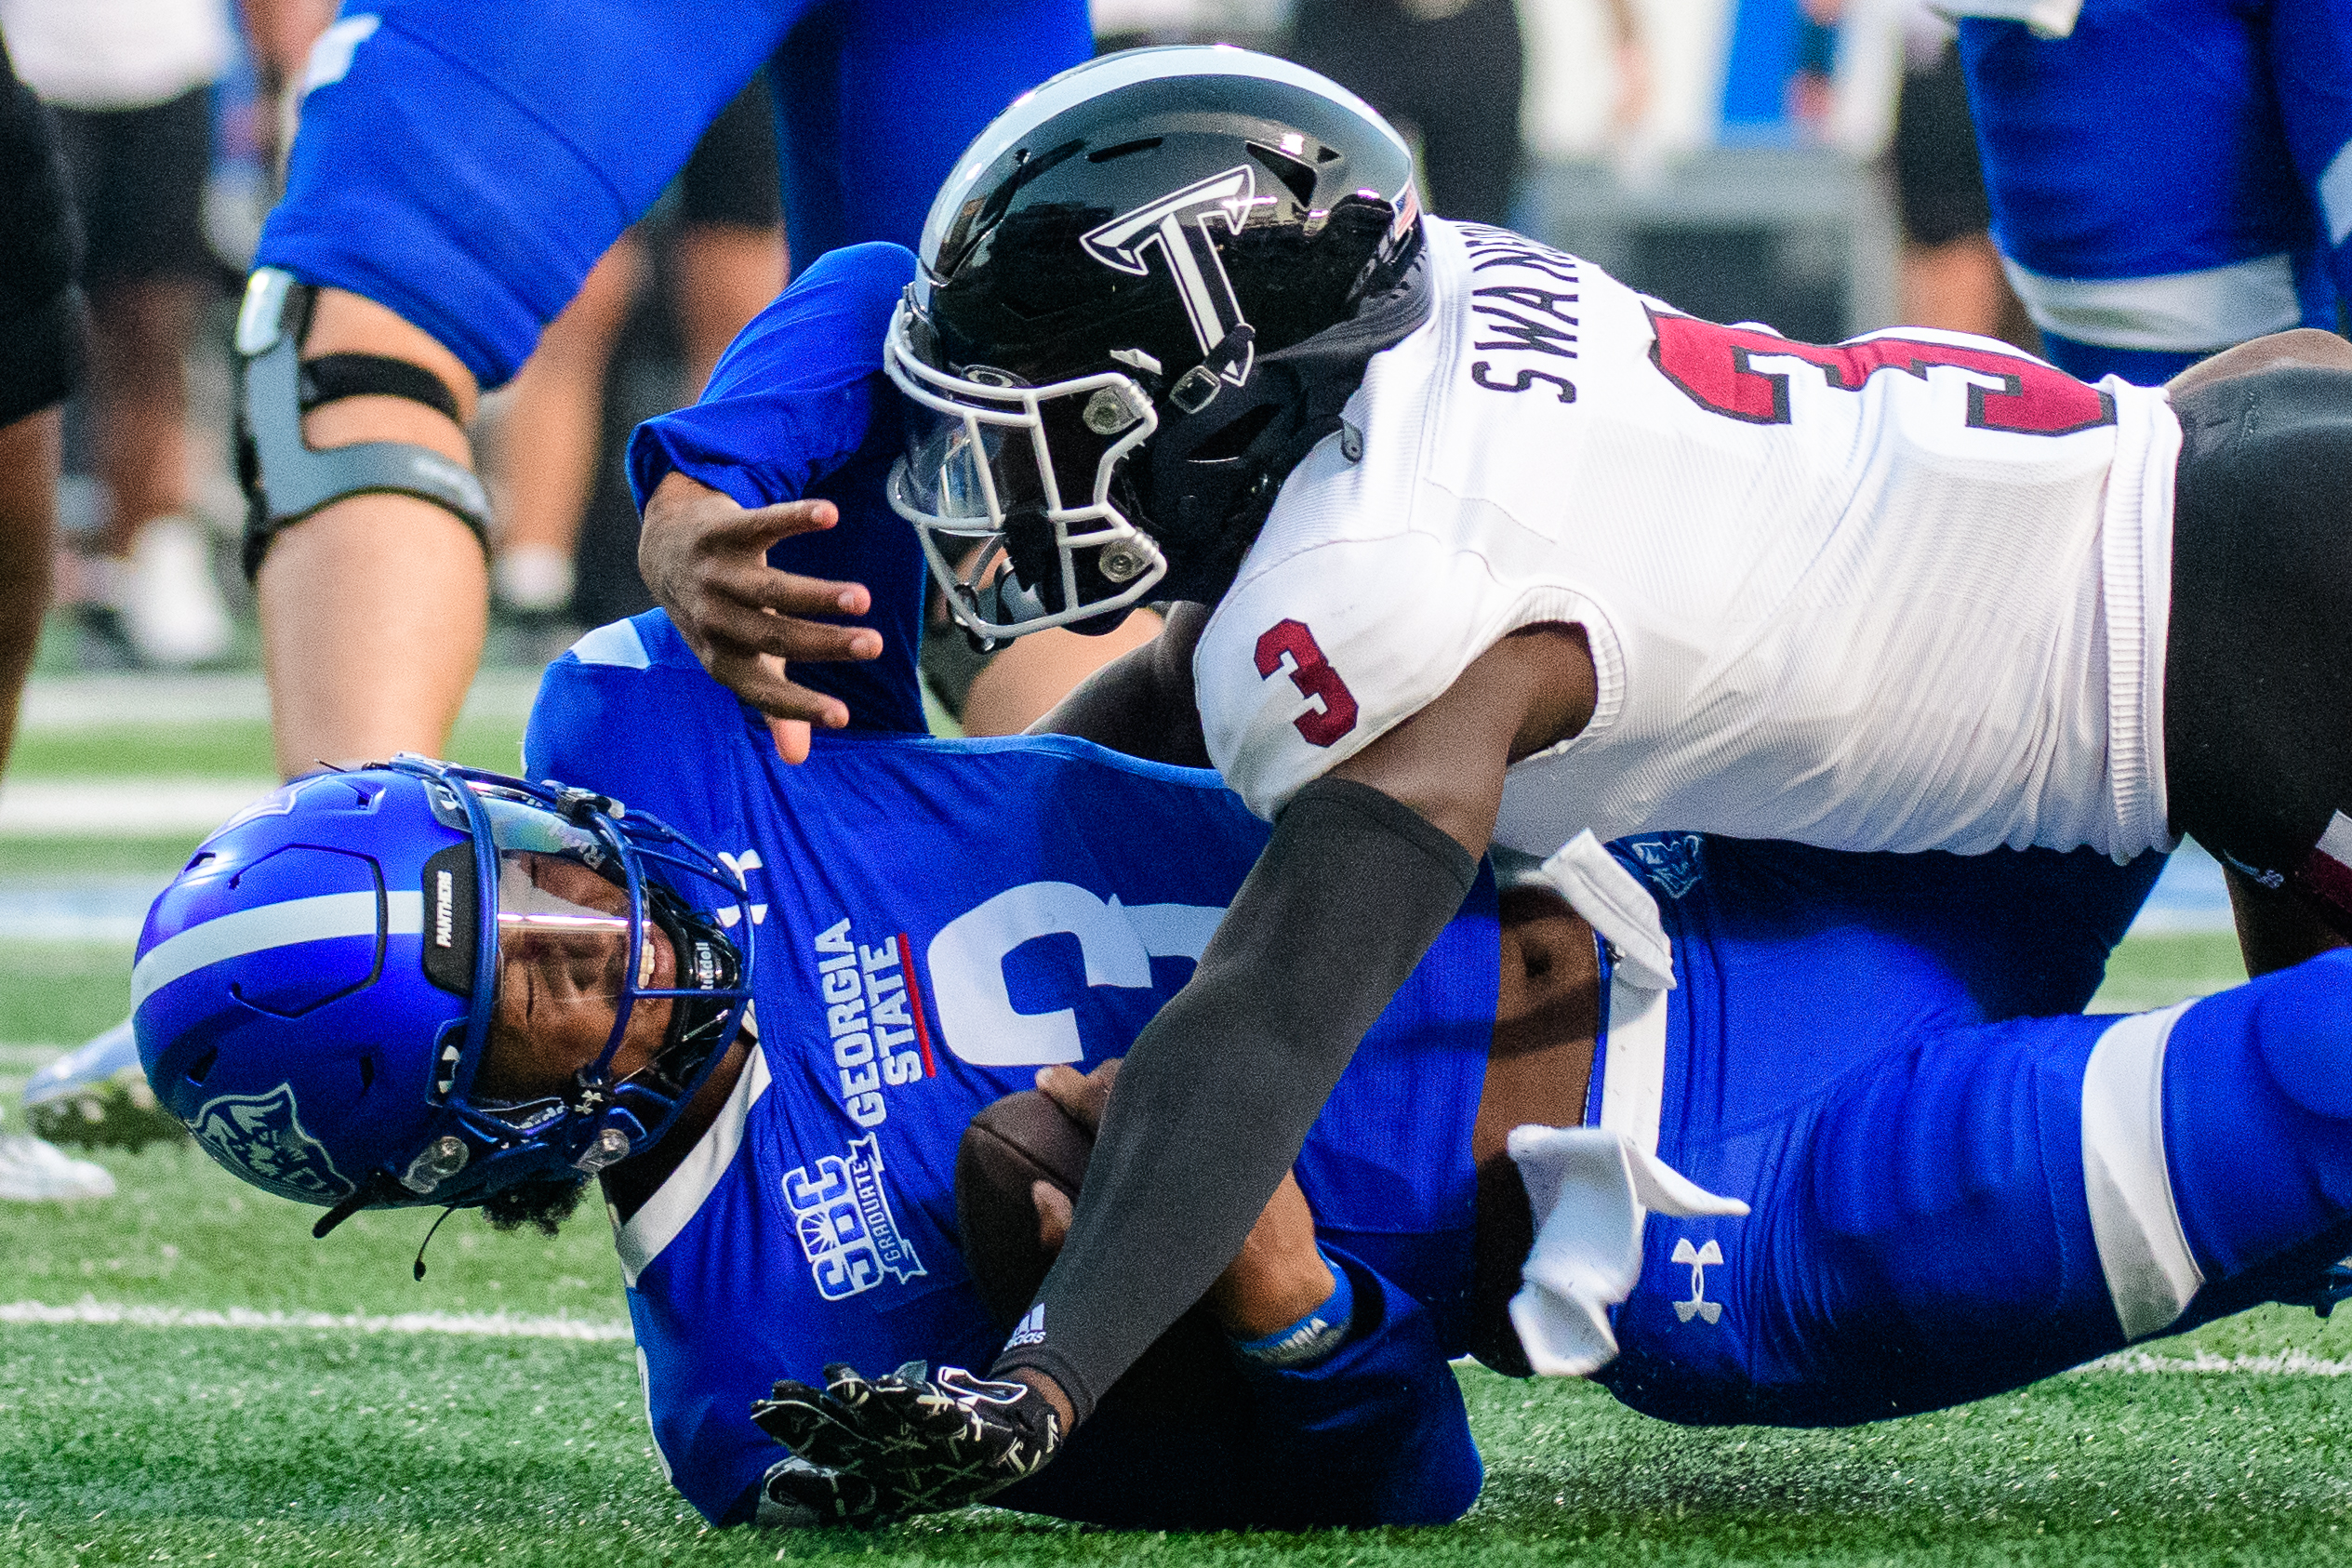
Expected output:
{"points": [[1881, 1055], [466, 164], [934, 921], [2172, 178], [798, 407]]}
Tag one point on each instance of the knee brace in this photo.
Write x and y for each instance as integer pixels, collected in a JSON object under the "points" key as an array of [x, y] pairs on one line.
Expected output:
{"points": [[285, 479]]}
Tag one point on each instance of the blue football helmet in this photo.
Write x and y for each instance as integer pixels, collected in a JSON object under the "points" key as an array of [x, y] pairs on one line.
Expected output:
{"points": [[316, 991]]}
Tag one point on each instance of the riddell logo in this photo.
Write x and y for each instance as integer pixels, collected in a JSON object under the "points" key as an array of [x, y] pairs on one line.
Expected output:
{"points": [[444, 896]]}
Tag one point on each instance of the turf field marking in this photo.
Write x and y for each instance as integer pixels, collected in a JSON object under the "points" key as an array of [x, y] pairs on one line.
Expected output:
{"points": [[502, 1325], [488, 1325], [84, 807], [96, 912], [2286, 1363], [58, 703]]}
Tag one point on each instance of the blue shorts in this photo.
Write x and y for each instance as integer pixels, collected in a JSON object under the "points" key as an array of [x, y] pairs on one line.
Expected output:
{"points": [[1949, 1196], [2172, 178], [467, 163]]}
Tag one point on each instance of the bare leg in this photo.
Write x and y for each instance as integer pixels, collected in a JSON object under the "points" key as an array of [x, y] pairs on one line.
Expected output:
{"points": [[726, 275], [373, 609], [29, 458], [1955, 286], [140, 388], [544, 453]]}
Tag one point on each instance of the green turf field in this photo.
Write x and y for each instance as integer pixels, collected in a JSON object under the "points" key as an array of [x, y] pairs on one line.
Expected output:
{"points": [[185, 1376]]}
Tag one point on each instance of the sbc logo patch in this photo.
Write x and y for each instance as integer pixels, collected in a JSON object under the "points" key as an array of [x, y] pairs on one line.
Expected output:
{"points": [[846, 1229], [261, 1135]]}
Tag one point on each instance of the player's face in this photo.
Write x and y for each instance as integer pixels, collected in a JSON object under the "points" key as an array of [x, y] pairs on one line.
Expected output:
{"points": [[562, 960]]}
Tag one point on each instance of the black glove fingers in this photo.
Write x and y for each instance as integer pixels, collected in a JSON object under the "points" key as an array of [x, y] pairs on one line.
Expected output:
{"points": [[811, 1424], [908, 1443], [799, 1494]]}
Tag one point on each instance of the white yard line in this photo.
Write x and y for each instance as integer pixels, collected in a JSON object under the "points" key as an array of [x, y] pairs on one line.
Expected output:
{"points": [[2286, 1363], [487, 1325], [503, 1325], [55, 703], [120, 807]]}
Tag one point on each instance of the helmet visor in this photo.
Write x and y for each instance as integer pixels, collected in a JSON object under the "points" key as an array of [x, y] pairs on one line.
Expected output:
{"points": [[956, 473], [565, 962]]}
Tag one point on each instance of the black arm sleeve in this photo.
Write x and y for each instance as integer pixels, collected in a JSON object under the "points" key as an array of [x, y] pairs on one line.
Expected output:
{"points": [[1221, 1088], [42, 315]]}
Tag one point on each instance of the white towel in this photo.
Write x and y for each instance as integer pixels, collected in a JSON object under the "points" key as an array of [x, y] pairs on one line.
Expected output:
{"points": [[1591, 1190]]}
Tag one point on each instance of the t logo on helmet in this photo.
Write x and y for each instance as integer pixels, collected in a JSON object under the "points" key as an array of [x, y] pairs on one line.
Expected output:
{"points": [[1177, 225]]}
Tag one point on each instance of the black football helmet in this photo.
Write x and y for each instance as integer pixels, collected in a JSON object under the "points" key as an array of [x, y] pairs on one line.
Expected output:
{"points": [[1145, 293]]}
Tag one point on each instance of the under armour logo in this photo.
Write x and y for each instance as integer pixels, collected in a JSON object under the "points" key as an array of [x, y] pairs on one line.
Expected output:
{"points": [[1698, 1259], [740, 864], [1190, 254]]}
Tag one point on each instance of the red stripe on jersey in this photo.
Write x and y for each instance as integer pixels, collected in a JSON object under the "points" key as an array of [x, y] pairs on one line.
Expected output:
{"points": [[914, 993]]}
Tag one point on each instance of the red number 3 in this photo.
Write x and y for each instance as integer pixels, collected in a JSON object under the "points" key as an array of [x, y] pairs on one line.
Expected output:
{"points": [[1313, 676], [1710, 363]]}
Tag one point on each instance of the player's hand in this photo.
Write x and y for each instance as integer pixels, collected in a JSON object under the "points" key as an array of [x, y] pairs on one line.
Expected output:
{"points": [[924, 1444], [795, 1495], [1280, 1275], [1083, 1095], [704, 557]]}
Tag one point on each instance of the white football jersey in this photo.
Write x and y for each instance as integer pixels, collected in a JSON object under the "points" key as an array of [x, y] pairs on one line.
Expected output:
{"points": [[1908, 592]]}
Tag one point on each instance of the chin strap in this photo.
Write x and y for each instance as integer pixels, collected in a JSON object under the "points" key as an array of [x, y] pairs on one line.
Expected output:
{"points": [[285, 479], [378, 1186]]}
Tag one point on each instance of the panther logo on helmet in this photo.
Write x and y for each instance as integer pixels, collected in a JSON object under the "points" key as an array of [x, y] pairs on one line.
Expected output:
{"points": [[260, 1137]]}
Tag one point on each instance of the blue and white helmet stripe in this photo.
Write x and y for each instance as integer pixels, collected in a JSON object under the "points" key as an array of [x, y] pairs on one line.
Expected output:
{"points": [[289, 924], [314, 990]]}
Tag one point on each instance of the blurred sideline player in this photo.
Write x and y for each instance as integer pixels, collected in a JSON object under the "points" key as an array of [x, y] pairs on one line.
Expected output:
{"points": [[43, 318], [131, 81], [1500, 550], [725, 260], [1824, 1165], [1949, 273], [436, 268], [2168, 178]]}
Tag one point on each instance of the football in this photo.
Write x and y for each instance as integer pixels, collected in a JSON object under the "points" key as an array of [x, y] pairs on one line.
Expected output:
{"points": [[1021, 1139], [1025, 1139]]}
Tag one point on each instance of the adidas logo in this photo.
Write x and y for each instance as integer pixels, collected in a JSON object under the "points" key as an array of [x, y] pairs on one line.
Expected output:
{"points": [[1031, 1330]]}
